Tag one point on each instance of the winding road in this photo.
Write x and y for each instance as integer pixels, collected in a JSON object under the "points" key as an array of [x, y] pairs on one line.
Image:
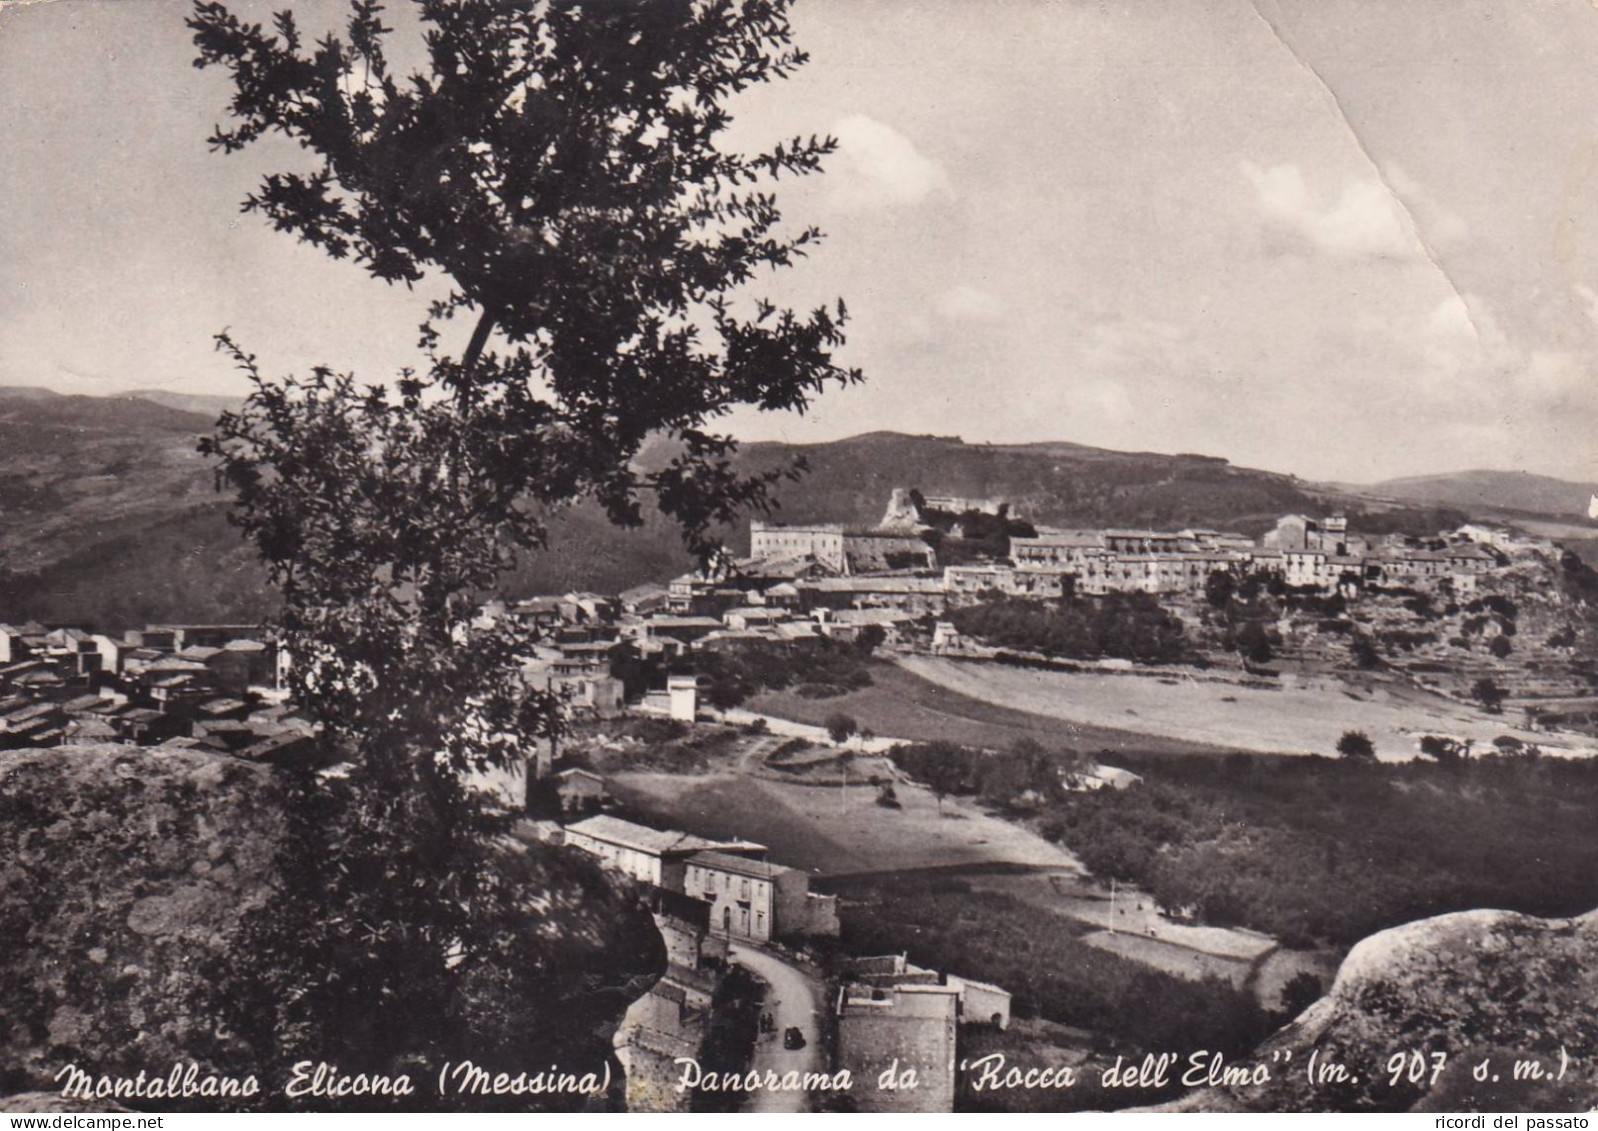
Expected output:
{"points": [[793, 999]]}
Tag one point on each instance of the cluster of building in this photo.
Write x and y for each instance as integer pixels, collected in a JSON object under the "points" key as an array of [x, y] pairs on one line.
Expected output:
{"points": [[703, 894], [220, 685], [764, 591], [824, 580], [893, 1015], [1305, 553], [213, 686], [749, 898]]}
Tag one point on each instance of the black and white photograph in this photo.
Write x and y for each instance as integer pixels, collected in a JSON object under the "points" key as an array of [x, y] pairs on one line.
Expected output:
{"points": [[746, 556]]}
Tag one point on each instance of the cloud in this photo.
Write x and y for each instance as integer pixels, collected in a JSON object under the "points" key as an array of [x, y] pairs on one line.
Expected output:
{"points": [[966, 303], [1110, 399], [1365, 222], [1441, 226], [1138, 345], [877, 167], [1590, 298], [1462, 367]]}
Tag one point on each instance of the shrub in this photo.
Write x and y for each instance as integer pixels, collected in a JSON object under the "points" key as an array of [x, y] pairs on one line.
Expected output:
{"points": [[1491, 696], [1302, 991], [1356, 745], [1443, 750]]}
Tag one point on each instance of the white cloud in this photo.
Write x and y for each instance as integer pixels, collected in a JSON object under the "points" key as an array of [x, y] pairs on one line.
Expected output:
{"points": [[877, 166], [969, 304], [1441, 226], [1137, 345], [1365, 222], [1590, 297], [1461, 333], [1462, 369], [1110, 398], [1552, 379]]}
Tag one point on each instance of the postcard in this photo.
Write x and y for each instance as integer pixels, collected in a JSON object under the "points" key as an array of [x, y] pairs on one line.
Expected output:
{"points": [[799, 556]]}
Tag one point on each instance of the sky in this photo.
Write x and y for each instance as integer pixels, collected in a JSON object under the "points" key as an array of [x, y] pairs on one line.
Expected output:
{"points": [[1335, 238]]}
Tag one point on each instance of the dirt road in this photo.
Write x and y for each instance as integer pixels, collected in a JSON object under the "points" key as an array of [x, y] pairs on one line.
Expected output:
{"points": [[794, 999]]}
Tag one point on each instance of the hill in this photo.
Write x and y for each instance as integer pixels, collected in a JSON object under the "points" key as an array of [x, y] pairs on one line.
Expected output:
{"points": [[109, 515], [203, 403], [1049, 483], [1479, 491]]}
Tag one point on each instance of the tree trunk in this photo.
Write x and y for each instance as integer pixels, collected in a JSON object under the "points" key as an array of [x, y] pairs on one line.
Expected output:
{"points": [[474, 348]]}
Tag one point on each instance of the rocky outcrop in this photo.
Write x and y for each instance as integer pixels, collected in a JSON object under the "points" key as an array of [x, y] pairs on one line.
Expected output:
{"points": [[1435, 1016], [36, 1102], [125, 873], [902, 513]]}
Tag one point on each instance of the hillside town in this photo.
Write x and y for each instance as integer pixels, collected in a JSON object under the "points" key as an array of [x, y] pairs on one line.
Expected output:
{"points": [[721, 903], [214, 687], [221, 686]]}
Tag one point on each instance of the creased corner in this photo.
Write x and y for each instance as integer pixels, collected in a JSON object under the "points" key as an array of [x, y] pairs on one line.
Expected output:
{"points": [[1411, 224]]}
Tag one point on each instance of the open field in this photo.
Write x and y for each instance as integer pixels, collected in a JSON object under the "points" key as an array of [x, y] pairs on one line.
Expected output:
{"points": [[1173, 959], [902, 703], [1290, 720], [835, 830], [866, 851], [1139, 931]]}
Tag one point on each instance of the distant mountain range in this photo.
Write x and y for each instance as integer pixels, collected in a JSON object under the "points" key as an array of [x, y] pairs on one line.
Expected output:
{"points": [[205, 404], [109, 515], [1514, 491]]}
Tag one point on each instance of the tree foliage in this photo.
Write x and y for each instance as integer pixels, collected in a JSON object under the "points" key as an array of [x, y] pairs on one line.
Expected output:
{"points": [[1356, 745], [820, 668], [1443, 749], [841, 727], [1132, 626], [1489, 694], [1313, 850], [1052, 973], [1024, 776], [1219, 587], [559, 165], [561, 169]]}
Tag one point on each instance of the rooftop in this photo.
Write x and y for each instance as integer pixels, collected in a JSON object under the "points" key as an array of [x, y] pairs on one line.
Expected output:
{"points": [[870, 616], [910, 1003], [683, 622], [626, 834], [738, 865], [1047, 537], [575, 771], [876, 584]]}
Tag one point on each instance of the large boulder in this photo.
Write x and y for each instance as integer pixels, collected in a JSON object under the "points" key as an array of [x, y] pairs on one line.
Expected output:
{"points": [[1434, 1016], [125, 873]]}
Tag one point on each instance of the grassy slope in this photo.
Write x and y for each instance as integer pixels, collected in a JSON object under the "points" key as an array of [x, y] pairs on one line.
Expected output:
{"points": [[1507, 490]]}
